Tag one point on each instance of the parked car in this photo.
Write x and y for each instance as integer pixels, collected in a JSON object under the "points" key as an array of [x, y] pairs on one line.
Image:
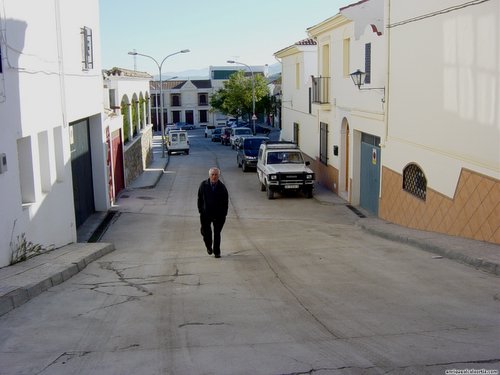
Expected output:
{"points": [[248, 151], [208, 130], [236, 133], [177, 141], [216, 135], [184, 126]]}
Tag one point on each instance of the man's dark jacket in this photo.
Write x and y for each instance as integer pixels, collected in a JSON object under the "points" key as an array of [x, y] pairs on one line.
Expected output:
{"points": [[212, 203]]}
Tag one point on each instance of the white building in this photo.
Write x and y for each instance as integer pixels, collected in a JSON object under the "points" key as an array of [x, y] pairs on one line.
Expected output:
{"points": [[184, 101], [441, 155], [298, 120], [350, 119], [127, 123], [50, 111]]}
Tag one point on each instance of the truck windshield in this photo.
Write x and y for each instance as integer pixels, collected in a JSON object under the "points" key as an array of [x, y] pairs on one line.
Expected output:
{"points": [[284, 157]]}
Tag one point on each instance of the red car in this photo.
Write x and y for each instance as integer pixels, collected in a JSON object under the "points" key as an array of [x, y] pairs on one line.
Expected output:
{"points": [[225, 136]]}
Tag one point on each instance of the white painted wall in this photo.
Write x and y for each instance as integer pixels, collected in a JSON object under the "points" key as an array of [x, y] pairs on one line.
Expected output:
{"points": [[43, 89], [444, 93], [363, 109], [295, 100]]}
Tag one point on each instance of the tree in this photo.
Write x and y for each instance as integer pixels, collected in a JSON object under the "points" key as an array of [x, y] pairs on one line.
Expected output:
{"points": [[235, 98]]}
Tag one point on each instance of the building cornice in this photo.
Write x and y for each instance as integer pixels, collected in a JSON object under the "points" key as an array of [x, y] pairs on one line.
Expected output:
{"points": [[327, 25]]}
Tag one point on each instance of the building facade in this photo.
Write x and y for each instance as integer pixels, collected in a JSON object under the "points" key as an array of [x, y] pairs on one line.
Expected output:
{"points": [[441, 161], [350, 118], [127, 123], [52, 145], [299, 122]]}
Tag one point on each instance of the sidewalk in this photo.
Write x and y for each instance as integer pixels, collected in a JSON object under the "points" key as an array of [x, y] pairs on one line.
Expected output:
{"points": [[23, 281], [482, 255]]}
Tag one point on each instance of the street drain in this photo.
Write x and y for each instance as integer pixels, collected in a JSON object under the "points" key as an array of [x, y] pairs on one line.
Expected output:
{"points": [[356, 211]]}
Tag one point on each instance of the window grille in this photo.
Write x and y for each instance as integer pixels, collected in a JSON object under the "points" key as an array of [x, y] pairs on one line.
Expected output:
{"points": [[368, 62], [414, 181], [87, 49], [323, 143]]}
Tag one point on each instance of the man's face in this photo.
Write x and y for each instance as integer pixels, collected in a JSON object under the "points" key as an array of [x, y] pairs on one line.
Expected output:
{"points": [[214, 176]]}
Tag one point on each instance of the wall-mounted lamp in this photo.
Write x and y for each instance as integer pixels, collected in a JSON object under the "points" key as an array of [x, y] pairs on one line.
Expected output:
{"points": [[358, 77]]}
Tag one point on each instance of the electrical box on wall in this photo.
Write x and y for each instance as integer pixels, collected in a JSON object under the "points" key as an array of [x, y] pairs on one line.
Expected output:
{"points": [[3, 163], [336, 150]]}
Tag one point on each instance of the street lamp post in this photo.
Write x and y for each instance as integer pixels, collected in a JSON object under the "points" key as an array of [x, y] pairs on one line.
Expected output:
{"points": [[253, 90], [133, 53]]}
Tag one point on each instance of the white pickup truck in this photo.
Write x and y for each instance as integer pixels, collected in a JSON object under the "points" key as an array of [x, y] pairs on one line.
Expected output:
{"points": [[281, 167]]}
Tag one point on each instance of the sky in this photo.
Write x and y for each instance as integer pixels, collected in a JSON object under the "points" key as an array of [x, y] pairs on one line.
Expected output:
{"points": [[214, 31]]}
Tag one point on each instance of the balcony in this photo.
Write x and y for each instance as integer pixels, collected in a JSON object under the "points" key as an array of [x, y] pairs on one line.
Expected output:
{"points": [[321, 90]]}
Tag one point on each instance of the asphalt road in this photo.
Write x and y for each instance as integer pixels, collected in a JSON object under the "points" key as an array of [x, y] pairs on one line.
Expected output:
{"points": [[299, 290]]}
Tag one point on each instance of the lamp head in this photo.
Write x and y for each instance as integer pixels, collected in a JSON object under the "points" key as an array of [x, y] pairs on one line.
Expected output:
{"points": [[185, 51], [132, 53], [358, 77], [231, 61]]}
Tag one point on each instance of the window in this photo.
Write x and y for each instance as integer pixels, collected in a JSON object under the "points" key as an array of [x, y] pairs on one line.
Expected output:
{"points": [[368, 62], [112, 98], [414, 181], [346, 57], [175, 100], [323, 143], [176, 116], [155, 98], [325, 58], [87, 49], [204, 115], [310, 99], [202, 99]]}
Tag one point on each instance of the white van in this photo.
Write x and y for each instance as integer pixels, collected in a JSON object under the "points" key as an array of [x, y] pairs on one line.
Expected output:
{"points": [[208, 130], [177, 141]]}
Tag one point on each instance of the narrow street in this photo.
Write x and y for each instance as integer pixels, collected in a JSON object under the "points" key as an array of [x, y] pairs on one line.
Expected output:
{"points": [[299, 289]]}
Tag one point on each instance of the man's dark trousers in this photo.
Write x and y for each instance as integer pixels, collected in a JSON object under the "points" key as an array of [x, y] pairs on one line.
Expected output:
{"points": [[206, 231]]}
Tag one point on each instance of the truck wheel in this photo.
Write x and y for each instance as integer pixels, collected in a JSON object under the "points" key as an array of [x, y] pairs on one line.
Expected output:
{"points": [[270, 193]]}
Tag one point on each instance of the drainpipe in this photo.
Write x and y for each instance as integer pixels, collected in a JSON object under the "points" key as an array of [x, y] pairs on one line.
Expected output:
{"points": [[387, 76]]}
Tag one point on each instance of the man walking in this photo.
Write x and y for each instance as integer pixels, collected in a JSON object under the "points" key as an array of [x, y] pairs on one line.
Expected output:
{"points": [[213, 201]]}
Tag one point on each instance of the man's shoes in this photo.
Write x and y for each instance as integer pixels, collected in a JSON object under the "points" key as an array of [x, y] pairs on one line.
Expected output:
{"points": [[217, 255], [209, 251]]}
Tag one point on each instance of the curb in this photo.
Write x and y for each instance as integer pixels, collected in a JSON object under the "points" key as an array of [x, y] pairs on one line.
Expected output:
{"points": [[47, 270]]}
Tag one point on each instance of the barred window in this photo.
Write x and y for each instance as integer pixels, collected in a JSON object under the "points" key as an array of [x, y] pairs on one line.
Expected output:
{"points": [[87, 49], [414, 181], [323, 143]]}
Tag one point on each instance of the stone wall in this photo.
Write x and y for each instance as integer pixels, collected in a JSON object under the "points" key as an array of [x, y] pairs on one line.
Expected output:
{"points": [[138, 154]]}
